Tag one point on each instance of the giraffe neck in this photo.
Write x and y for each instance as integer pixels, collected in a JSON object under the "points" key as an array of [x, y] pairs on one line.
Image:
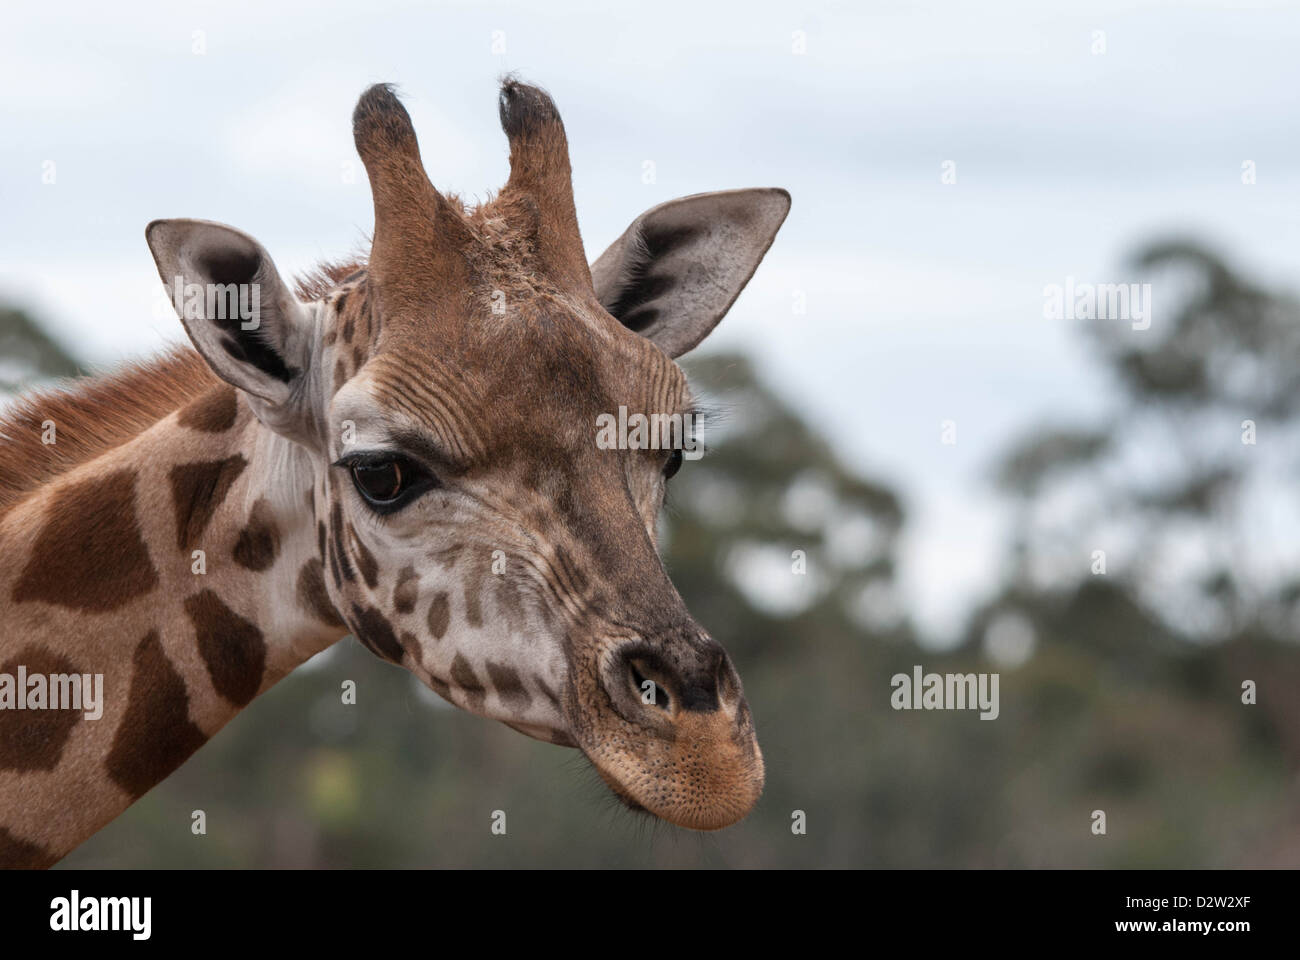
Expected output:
{"points": [[183, 567]]}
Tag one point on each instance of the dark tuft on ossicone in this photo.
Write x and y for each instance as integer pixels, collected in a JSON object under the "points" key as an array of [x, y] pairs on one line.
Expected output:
{"points": [[525, 109], [380, 122]]}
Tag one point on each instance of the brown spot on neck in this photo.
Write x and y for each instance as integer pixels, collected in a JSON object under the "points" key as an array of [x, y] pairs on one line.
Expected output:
{"points": [[198, 489], [312, 595], [156, 734], [232, 648], [89, 555], [33, 739], [259, 541], [214, 412], [16, 854]]}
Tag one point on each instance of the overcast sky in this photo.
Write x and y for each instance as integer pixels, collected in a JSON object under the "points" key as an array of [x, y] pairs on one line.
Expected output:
{"points": [[924, 298]]}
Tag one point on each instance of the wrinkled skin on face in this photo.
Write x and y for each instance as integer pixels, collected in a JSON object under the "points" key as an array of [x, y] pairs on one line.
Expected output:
{"points": [[447, 395]]}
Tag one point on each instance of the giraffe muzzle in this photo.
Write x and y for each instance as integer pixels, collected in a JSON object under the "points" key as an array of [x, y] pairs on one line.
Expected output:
{"points": [[675, 737]]}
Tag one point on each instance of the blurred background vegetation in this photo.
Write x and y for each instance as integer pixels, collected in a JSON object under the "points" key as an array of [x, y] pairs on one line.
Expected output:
{"points": [[1120, 685]]}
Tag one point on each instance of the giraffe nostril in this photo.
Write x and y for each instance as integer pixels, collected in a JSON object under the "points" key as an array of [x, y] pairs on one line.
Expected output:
{"points": [[649, 692]]}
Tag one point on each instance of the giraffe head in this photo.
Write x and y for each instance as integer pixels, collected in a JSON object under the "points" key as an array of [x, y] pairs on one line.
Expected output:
{"points": [[446, 401]]}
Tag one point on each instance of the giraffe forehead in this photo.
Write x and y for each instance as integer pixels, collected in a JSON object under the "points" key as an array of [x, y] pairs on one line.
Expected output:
{"points": [[499, 331], [531, 387]]}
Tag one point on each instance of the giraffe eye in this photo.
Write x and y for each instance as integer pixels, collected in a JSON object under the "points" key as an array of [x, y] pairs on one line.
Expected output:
{"points": [[380, 482], [388, 483], [674, 463]]}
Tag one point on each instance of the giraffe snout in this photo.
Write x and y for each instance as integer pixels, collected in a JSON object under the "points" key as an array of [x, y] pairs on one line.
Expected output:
{"points": [[680, 739], [667, 679]]}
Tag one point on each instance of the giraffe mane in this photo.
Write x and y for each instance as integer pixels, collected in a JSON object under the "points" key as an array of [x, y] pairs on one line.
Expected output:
{"points": [[92, 415], [324, 277]]}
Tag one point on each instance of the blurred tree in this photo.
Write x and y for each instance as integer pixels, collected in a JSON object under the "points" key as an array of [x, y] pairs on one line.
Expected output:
{"points": [[1154, 558], [28, 355], [1176, 487]]}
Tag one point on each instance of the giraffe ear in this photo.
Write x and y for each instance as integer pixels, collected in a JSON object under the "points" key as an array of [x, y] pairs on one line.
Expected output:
{"points": [[675, 272], [238, 311]]}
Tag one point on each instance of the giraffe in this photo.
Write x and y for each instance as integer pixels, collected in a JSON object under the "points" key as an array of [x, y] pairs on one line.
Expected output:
{"points": [[402, 449]]}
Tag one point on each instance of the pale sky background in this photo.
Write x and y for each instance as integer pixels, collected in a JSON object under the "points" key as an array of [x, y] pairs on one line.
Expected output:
{"points": [[924, 300]]}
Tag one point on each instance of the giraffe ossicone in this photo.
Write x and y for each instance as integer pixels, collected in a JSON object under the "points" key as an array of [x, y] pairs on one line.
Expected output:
{"points": [[404, 449]]}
